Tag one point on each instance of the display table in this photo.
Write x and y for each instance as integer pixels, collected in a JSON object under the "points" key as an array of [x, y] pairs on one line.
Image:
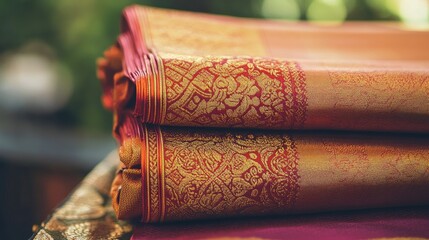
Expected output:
{"points": [[87, 213]]}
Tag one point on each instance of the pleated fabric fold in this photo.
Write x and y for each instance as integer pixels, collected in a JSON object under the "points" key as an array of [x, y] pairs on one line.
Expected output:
{"points": [[207, 70], [221, 117], [171, 173]]}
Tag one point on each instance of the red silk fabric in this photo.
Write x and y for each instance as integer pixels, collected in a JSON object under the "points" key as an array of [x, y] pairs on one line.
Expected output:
{"points": [[173, 76], [207, 70]]}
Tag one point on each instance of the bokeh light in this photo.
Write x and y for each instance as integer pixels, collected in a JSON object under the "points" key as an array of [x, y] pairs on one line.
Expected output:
{"points": [[327, 10], [281, 9], [33, 80], [414, 11]]}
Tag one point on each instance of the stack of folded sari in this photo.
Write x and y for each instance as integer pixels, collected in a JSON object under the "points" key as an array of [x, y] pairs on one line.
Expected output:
{"points": [[225, 117]]}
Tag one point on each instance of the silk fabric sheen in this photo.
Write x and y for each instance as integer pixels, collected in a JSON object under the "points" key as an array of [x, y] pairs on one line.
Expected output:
{"points": [[207, 70], [172, 73], [173, 173], [398, 224]]}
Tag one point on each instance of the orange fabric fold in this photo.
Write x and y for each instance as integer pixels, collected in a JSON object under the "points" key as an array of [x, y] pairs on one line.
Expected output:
{"points": [[175, 174], [207, 70], [172, 76]]}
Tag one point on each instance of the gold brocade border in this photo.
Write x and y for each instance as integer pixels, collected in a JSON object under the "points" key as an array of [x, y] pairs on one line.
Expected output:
{"points": [[145, 177], [221, 174], [161, 171], [163, 89], [150, 88], [162, 43], [151, 91], [153, 184], [300, 94], [233, 92]]}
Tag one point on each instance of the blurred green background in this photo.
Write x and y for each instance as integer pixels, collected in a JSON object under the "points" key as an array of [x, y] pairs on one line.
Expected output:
{"points": [[53, 129]]}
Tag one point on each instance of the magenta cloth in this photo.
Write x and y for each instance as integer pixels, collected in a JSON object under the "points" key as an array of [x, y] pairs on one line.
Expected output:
{"points": [[368, 224]]}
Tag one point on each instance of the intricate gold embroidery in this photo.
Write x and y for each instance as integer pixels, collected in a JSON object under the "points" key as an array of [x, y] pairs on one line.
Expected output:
{"points": [[84, 203], [94, 230], [212, 175], [152, 158], [97, 177], [153, 173], [186, 81], [73, 212], [241, 92], [55, 225], [87, 214], [194, 35], [43, 235]]}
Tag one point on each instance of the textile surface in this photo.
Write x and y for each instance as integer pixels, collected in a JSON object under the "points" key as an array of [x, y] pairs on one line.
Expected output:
{"points": [[87, 213], [207, 70], [398, 224], [221, 117], [83, 217], [171, 173]]}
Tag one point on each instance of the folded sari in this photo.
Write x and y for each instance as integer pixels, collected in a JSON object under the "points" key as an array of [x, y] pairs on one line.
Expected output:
{"points": [[87, 214], [171, 173], [172, 74], [190, 69]]}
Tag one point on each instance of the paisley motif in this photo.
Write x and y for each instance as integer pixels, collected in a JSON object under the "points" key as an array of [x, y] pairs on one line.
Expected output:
{"points": [[234, 92], [214, 174]]}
